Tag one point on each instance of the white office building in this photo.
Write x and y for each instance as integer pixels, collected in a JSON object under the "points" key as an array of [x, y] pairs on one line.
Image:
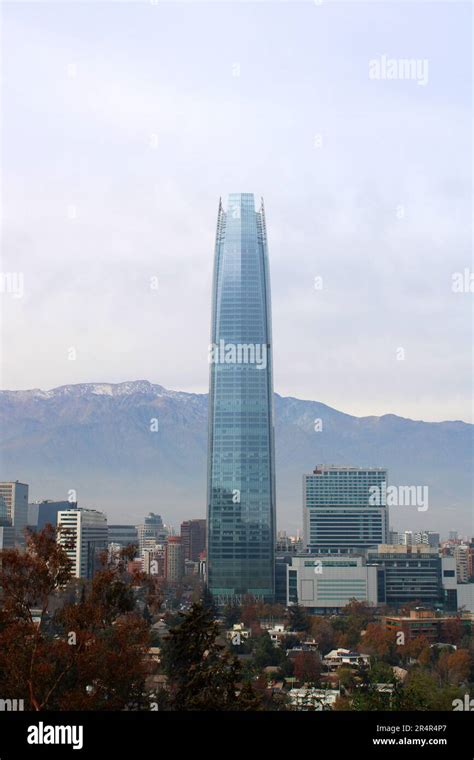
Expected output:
{"points": [[327, 584], [84, 534], [344, 509]]}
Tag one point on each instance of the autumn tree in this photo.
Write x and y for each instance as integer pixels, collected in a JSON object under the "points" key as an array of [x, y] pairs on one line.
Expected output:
{"points": [[452, 631], [378, 641], [63, 647], [322, 632], [453, 667], [307, 668]]}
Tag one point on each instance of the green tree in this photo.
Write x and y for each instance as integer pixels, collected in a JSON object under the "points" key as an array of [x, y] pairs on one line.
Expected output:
{"points": [[265, 652], [232, 614], [207, 601], [202, 674], [297, 618]]}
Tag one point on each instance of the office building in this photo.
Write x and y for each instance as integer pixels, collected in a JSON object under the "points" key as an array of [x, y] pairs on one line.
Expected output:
{"points": [[344, 509], [7, 537], [151, 532], [193, 535], [241, 460], [83, 533], [174, 559], [326, 584], [45, 512], [123, 535], [14, 503], [411, 574]]}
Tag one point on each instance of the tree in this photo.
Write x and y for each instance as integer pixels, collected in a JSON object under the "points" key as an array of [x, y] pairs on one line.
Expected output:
{"points": [[307, 668], [231, 614], [367, 698], [297, 618], [453, 667], [354, 619], [265, 652], [67, 648], [290, 641], [421, 692], [379, 641], [452, 631], [323, 633], [249, 613], [202, 674], [207, 601]]}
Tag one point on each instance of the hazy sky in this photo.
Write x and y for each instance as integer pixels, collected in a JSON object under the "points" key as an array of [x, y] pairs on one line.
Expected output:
{"points": [[124, 123]]}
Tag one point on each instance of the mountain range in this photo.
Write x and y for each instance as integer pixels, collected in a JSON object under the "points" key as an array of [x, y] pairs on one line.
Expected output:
{"points": [[134, 447]]}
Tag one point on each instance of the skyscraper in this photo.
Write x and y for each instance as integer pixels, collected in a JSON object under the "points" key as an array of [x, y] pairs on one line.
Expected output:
{"points": [[344, 508], [241, 460], [193, 534]]}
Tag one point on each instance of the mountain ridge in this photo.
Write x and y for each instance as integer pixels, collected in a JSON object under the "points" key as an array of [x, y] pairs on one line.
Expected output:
{"points": [[95, 438]]}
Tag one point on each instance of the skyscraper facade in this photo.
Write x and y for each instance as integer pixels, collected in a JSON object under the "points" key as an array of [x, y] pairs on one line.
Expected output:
{"points": [[344, 508], [241, 460]]}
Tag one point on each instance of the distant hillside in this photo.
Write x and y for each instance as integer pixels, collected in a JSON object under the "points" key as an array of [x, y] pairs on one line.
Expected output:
{"points": [[96, 439]]}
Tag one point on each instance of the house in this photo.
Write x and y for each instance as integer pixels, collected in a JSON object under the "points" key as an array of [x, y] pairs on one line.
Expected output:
{"points": [[278, 632], [337, 658], [238, 634]]}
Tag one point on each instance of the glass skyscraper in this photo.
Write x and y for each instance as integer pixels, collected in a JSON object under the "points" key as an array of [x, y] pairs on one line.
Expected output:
{"points": [[241, 460]]}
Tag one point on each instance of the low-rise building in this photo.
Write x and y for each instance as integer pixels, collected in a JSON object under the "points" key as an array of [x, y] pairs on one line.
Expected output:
{"points": [[327, 584], [338, 658], [420, 622]]}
